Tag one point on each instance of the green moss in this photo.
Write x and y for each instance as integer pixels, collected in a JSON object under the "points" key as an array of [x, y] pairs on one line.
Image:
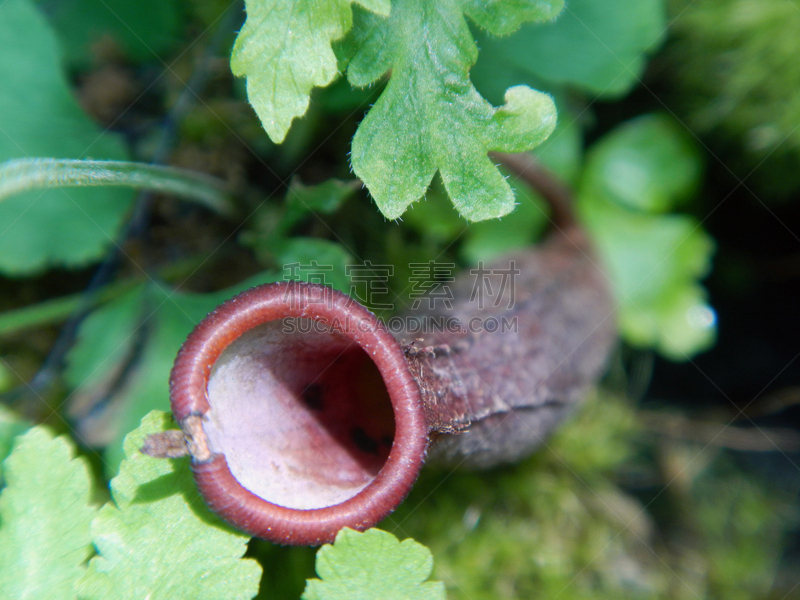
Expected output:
{"points": [[559, 525], [553, 525], [743, 526], [735, 65]]}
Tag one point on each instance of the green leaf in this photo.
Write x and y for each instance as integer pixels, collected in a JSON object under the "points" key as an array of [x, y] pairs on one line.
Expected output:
{"points": [[126, 349], [11, 426], [107, 338], [562, 152], [55, 310], [44, 518], [158, 540], [647, 164], [373, 564], [146, 30], [284, 50], [436, 218], [430, 117], [330, 257], [654, 262], [270, 224], [596, 45], [502, 18], [40, 117], [680, 324], [324, 198], [490, 239]]}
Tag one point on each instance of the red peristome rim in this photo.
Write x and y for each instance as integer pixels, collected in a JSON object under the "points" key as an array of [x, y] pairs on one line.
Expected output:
{"points": [[222, 492]]}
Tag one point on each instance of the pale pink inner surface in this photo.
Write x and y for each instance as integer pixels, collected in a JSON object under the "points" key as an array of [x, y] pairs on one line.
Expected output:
{"points": [[300, 413]]}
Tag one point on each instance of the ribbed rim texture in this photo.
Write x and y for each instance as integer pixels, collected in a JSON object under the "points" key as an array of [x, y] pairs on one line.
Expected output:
{"points": [[222, 492]]}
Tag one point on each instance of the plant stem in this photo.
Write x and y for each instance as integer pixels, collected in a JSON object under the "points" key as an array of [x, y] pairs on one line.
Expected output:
{"points": [[25, 174], [55, 310], [137, 223]]}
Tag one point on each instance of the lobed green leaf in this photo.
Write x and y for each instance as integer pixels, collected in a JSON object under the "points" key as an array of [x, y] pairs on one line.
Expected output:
{"points": [[502, 18], [158, 540], [561, 154], [373, 564], [284, 50], [430, 117], [44, 518]]}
